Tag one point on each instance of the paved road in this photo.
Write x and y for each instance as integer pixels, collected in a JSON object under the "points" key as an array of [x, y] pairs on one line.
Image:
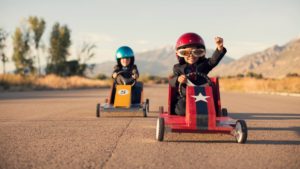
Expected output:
{"points": [[58, 129]]}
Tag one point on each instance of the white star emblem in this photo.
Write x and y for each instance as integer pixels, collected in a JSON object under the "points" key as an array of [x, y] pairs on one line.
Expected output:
{"points": [[200, 97]]}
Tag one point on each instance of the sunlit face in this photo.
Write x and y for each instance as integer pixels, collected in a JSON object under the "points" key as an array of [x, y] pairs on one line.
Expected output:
{"points": [[191, 59], [125, 61]]}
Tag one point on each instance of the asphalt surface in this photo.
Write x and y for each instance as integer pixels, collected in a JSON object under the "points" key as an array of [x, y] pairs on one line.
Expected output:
{"points": [[59, 129]]}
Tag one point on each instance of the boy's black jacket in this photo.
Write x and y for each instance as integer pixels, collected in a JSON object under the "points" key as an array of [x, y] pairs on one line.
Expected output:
{"points": [[203, 65], [131, 69]]}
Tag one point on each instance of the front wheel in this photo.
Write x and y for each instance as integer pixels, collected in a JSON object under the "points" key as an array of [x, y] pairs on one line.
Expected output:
{"points": [[241, 131], [146, 108], [160, 129], [98, 110]]}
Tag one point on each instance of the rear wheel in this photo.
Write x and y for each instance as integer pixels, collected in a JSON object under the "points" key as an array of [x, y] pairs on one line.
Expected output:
{"points": [[160, 129], [161, 109], [241, 131], [224, 112], [98, 110], [146, 108], [147, 105], [144, 113]]}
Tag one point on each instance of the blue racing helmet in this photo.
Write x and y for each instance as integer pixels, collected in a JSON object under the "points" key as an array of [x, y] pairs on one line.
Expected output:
{"points": [[124, 52]]}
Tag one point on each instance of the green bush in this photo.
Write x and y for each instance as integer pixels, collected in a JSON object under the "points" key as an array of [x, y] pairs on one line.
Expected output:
{"points": [[254, 75], [101, 76], [240, 75], [292, 75]]}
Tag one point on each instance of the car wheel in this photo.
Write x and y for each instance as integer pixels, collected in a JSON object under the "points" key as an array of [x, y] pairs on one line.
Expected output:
{"points": [[161, 109], [146, 108], [241, 131], [144, 112], [160, 129], [147, 105], [224, 112], [98, 110]]}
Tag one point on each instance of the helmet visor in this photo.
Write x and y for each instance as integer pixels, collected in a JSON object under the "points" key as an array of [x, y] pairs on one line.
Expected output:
{"points": [[187, 52]]}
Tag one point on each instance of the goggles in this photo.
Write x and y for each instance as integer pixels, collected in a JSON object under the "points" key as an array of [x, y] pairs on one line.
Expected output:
{"points": [[188, 52]]}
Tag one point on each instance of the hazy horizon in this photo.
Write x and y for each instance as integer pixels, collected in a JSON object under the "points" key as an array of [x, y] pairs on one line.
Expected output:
{"points": [[246, 26]]}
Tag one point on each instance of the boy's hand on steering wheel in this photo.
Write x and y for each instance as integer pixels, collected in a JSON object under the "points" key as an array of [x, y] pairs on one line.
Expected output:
{"points": [[182, 79], [114, 75], [134, 76]]}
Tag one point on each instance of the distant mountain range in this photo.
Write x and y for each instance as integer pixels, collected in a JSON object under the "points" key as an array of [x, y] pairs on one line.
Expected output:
{"points": [[157, 62], [274, 62]]}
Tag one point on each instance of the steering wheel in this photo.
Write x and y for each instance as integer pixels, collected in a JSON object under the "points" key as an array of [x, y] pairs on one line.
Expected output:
{"points": [[189, 83], [125, 81]]}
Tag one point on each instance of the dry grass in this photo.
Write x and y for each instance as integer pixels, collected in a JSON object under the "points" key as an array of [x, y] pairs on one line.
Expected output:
{"points": [[288, 85], [18, 82]]}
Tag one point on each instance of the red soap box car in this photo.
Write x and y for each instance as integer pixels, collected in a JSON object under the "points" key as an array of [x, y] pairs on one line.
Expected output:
{"points": [[203, 113]]}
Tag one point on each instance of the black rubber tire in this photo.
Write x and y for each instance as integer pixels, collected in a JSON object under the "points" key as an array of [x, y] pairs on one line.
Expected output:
{"points": [[146, 108], [160, 129], [147, 105], [144, 113], [241, 131], [161, 109], [224, 112], [98, 110]]}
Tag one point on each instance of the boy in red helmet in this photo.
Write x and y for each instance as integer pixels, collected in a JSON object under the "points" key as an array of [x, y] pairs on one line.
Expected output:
{"points": [[190, 52]]}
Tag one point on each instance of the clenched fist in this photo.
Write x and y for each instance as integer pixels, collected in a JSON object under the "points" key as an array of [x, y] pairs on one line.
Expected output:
{"points": [[219, 43]]}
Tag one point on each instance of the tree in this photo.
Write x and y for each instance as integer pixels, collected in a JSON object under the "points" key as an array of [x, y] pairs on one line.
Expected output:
{"points": [[4, 59], [86, 53], [21, 48], [59, 45], [37, 26]]}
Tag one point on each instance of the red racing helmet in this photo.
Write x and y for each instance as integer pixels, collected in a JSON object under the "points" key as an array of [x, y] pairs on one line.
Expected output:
{"points": [[188, 39]]}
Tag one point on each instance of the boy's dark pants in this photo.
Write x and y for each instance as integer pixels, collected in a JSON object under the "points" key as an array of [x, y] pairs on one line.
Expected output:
{"points": [[180, 106], [136, 92]]}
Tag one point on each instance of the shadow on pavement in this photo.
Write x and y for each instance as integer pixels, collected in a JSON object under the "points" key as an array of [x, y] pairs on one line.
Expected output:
{"points": [[200, 141], [274, 142], [294, 129], [265, 116], [127, 116], [263, 142]]}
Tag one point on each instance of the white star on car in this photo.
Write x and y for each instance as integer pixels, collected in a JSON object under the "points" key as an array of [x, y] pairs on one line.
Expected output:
{"points": [[200, 97]]}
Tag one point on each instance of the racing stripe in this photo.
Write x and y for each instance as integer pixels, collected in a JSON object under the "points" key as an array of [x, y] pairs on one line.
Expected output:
{"points": [[211, 108], [202, 110], [191, 108]]}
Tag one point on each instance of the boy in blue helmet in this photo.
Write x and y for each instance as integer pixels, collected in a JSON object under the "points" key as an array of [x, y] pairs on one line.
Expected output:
{"points": [[126, 72]]}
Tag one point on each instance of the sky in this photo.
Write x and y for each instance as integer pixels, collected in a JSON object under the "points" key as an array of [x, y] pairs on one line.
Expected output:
{"points": [[247, 26]]}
